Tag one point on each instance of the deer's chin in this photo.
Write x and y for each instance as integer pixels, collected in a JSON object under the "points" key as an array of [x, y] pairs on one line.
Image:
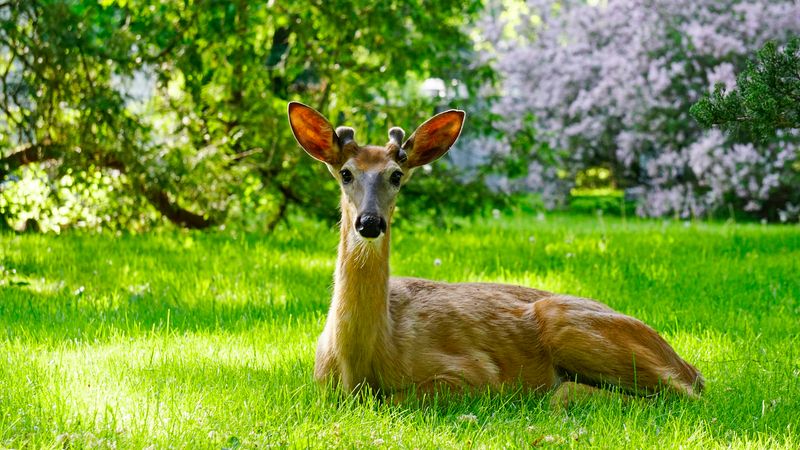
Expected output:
{"points": [[374, 241]]}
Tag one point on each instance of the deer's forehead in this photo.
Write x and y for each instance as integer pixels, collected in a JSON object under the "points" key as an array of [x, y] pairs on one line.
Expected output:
{"points": [[372, 157]]}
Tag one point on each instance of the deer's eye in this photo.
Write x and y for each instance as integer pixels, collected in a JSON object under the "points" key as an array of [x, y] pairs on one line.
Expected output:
{"points": [[396, 177], [347, 176]]}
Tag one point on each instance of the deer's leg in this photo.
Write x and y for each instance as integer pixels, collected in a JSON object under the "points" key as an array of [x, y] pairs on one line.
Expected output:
{"points": [[593, 344]]}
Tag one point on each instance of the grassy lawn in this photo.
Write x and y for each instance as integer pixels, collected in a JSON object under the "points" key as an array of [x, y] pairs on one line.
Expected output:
{"points": [[187, 340]]}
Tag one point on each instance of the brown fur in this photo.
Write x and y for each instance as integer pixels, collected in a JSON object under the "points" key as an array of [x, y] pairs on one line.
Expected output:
{"points": [[403, 335]]}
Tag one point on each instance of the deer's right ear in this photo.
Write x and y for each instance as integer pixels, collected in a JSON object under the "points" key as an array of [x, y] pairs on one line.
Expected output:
{"points": [[314, 133]]}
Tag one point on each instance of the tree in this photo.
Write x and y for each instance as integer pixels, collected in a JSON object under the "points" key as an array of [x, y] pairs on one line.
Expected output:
{"points": [[766, 98], [184, 100], [609, 84], [59, 100]]}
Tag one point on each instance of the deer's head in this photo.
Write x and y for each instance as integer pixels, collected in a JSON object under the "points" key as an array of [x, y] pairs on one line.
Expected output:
{"points": [[371, 175]]}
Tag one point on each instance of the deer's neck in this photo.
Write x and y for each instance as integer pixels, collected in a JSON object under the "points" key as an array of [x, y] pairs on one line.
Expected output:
{"points": [[360, 308]]}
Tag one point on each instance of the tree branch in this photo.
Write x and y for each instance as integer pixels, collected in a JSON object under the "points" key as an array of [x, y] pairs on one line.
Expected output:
{"points": [[174, 212], [157, 197], [30, 154]]}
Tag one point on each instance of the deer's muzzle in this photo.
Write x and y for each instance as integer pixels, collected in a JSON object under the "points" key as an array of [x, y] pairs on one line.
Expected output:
{"points": [[370, 225]]}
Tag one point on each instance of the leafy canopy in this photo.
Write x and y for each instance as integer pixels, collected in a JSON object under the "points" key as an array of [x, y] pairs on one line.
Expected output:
{"points": [[184, 101]]}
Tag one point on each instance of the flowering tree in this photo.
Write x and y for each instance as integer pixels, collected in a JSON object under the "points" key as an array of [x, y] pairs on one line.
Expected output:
{"points": [[610, 83]]}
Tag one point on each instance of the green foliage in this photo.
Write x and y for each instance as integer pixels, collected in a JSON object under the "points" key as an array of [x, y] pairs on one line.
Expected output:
{"points": [[438, 194], [601, 202], [205, 340], [38, 201], [766, 98], [596, 192], [187, 99], [595, 178]]}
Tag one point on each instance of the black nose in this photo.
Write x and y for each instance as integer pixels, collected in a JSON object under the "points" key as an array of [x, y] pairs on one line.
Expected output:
{"points": [[370, 225]]}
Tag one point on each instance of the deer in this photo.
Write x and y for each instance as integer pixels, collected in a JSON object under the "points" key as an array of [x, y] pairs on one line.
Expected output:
{"points": [[410, 336]]}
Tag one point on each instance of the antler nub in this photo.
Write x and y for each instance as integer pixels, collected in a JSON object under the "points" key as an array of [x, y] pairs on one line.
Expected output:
{"points": [[396, 135], [346, 135]]}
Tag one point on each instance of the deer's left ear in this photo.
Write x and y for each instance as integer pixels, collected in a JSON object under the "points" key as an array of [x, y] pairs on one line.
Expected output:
{"points": [[314, 133], [434, 137]]}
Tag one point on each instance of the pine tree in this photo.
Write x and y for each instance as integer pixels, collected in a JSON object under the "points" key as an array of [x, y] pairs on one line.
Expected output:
{"points": [[766, 97]]}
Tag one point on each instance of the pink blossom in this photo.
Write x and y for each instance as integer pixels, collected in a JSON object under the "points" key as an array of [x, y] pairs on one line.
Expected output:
{"points": [[612, 83]]}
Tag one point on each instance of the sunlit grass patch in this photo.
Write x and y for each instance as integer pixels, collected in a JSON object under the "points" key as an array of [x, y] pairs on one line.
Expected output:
{"points": [[207, 340]]}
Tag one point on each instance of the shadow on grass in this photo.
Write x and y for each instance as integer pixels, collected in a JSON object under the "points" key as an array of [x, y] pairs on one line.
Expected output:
{"points": [[82, 288], [33, 309]]}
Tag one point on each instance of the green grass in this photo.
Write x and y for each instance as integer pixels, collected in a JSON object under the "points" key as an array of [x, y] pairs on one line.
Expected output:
{"points": [[188, 340]]}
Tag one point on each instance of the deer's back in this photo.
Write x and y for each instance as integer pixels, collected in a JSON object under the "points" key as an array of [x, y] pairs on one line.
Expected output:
{"points": [[474, 333]]}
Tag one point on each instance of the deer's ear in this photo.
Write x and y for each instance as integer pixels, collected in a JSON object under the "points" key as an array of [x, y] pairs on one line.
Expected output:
{"points": [[434, 137], [314, 133]]}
